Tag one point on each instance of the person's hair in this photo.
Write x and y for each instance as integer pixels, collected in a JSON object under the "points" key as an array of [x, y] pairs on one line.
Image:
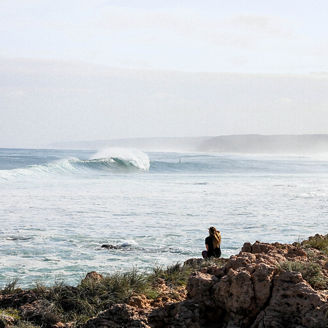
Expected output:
{"points": [[216, 237]]}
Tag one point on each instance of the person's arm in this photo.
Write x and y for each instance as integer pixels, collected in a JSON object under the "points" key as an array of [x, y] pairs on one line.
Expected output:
{"points": [[206, 244]]}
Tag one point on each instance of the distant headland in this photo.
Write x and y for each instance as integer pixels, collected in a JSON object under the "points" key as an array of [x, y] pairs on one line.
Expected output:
{"points": [[248, 143]]}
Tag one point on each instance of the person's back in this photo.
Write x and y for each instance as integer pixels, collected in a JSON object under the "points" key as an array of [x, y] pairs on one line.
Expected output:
{"points": [[212, 243]]}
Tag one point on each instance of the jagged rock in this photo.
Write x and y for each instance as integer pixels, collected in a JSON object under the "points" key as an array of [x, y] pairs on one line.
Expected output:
{"points": [[177, 315], [294, 304], [119, 316], [251, 290]]}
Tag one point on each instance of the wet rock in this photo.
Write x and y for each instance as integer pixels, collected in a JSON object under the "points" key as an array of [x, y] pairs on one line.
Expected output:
{"points": [[110, 246]]}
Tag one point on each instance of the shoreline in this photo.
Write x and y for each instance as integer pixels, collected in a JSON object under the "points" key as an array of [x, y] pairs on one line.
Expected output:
{"points": [[255, 288]]}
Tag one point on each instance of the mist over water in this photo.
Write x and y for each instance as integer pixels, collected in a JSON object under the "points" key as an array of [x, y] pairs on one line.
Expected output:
{"points": [[59, 207]]}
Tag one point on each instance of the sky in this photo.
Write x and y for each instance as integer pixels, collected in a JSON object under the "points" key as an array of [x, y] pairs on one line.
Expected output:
{"points": [[84, 70]]}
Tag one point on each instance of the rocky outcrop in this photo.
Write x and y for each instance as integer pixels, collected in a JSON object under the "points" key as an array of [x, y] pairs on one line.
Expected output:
{"points": [[264, 286], [251, 290]]}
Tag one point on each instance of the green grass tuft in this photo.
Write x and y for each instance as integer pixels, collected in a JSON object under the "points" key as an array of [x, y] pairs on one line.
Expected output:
{"points": [[318, 242], [311, 272]]}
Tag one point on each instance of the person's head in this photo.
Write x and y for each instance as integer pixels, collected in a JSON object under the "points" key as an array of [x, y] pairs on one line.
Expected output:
{"points": [[212, 231], [216, 236]]}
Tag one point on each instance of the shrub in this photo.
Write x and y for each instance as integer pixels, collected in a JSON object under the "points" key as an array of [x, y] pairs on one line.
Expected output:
{"points": [[318, 242], [311, 272]]}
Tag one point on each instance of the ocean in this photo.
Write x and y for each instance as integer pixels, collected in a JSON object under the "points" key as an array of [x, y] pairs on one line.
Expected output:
{"points": [[58, 207]]}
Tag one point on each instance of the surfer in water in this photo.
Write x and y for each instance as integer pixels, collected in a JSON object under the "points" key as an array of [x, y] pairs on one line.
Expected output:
{"points": [[212, 243]]}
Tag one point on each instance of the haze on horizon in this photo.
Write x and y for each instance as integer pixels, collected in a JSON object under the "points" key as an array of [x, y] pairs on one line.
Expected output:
{"points": [[84, 70]]}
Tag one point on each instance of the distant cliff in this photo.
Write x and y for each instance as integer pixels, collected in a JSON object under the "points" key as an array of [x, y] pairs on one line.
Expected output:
{"points": [[253, 144], [267, 144]]}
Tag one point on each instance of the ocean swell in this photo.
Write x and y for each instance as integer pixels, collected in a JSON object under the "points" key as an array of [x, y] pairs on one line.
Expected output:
{"points": [[107, 161]]}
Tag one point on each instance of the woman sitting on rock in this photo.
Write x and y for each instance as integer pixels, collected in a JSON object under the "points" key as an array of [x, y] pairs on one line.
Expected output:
{"points": [[212, 243]]}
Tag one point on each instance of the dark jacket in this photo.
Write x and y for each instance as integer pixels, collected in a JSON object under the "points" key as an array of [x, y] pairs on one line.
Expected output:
{"points": [[216, 252]]}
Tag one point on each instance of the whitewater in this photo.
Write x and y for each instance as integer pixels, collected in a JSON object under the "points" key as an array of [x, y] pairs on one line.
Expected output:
{"points": [[58, 207]]}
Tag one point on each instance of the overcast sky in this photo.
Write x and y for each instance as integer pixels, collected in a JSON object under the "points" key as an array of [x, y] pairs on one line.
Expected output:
{"points": [[83, 70]]}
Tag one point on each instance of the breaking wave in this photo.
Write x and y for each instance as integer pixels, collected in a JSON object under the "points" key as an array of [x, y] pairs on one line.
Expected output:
{"points": [[106, 161]]}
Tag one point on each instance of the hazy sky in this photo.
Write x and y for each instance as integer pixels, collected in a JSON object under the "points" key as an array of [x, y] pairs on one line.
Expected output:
{"points": [[82, 70]]}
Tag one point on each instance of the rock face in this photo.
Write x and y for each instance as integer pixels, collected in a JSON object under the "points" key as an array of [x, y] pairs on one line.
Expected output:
{"points": [[251, 290]]}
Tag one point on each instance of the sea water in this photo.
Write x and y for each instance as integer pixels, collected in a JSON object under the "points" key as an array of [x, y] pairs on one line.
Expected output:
{"points": [[57, 208]]}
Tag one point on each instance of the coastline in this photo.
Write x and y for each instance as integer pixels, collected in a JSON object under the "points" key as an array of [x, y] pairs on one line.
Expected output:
{"points": [[265, 285]]}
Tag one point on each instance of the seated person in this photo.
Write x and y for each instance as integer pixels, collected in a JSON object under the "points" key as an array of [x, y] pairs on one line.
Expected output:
{"points": [[212, 243]]}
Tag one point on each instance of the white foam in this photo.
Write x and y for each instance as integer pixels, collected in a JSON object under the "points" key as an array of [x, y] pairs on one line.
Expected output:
{"points": [[134, 157]]}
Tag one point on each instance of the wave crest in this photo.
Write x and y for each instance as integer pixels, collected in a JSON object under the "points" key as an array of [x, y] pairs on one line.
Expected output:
{"points": [[109, 160], [122, 157]]}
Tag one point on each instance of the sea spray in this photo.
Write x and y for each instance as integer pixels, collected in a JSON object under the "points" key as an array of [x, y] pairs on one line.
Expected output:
{"points": [[130, 157], [109, 160]]}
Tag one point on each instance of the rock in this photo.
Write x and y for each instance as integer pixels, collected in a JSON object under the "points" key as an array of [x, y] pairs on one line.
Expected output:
{"points": [[194, 262], [251, 290], [119, 316], [41, 312], [17, 298], [200, 286], [293, 304], [178, 315], [94, 276], [139, 301], [6, 320], [109, 246]]}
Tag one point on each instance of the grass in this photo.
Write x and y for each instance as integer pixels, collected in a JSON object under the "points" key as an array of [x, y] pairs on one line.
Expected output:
{"points": [[10, 312], [318, 242], [78, 304], [10, 288], [175, 275], [311, 272]]}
